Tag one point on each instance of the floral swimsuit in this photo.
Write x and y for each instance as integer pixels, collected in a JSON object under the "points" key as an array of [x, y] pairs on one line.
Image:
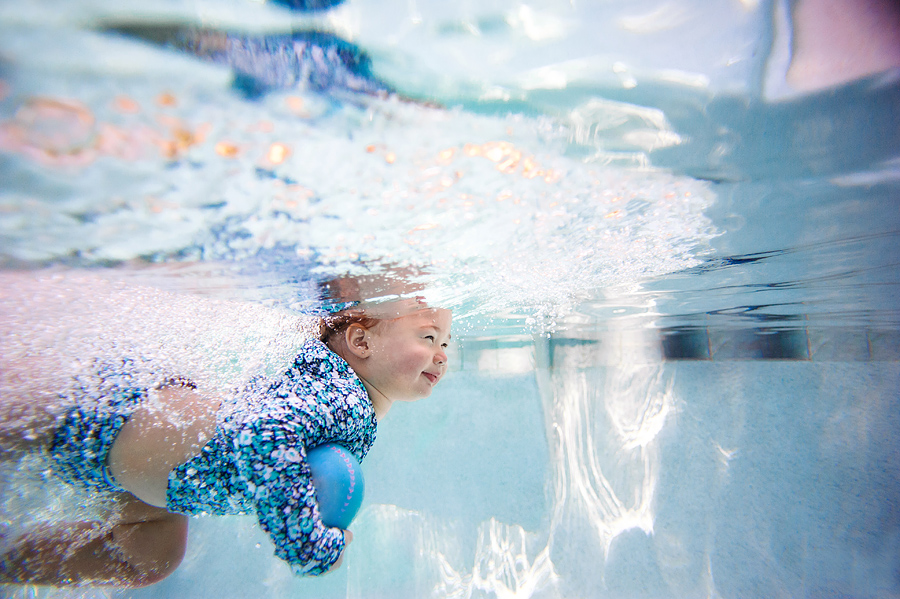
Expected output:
{"points": [[256, 460]]}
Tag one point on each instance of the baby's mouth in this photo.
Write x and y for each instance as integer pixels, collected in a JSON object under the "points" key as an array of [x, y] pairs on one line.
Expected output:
{"points": [[433, 378]]}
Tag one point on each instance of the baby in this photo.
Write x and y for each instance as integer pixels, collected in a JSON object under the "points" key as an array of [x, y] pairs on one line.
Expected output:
{"points": [[172, 448]]}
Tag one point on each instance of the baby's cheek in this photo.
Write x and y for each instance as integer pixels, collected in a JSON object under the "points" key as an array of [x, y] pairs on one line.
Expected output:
{"points": [[415, 362]]}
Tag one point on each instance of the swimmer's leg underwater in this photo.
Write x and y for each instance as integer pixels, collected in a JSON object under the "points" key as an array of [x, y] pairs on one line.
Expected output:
{"points": [[133, 543], [137, 546]]}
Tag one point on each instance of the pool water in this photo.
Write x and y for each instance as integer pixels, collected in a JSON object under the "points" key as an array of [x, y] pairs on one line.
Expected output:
{"points": [[675, 360]]}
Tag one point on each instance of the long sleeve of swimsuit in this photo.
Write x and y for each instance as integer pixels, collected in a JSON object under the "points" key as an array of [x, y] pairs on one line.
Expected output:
{"points": [[256, 460], [274, 467]]}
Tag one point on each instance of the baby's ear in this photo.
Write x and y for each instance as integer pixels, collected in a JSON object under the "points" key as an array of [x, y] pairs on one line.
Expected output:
{"points": [[357, 338]]}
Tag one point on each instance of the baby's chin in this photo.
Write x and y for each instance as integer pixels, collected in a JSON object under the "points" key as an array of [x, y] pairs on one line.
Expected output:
{"points": [[417, 396]]}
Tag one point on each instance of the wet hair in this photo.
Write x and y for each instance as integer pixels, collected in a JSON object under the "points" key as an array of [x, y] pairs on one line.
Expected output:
{"points": [[334, 325]]}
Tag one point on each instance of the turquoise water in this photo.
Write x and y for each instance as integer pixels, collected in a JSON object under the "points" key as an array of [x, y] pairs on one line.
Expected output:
{"points": [[676, 367]]}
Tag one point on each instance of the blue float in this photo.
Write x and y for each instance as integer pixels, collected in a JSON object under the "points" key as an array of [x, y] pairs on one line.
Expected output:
{"points": [[337, 477]]}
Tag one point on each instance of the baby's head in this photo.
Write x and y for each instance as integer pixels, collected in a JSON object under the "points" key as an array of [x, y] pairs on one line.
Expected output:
{"points": [[397, 349]]}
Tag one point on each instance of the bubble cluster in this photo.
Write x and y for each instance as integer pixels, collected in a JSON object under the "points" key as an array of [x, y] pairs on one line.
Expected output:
{"points": [[491, 209]]}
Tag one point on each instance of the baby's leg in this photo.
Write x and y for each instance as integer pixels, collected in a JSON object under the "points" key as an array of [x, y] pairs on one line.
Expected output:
{"points": [[159, 436], [140, 545]]}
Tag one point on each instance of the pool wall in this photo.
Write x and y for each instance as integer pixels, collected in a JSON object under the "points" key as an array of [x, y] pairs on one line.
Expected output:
{"points": [[598, 477]]}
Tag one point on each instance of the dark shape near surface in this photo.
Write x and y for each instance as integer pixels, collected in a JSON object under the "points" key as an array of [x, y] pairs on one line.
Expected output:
{"points": [[308, 5], [306, 60]]}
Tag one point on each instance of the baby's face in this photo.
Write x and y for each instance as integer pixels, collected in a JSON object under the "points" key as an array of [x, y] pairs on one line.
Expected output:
{"points": [[409, 354]]}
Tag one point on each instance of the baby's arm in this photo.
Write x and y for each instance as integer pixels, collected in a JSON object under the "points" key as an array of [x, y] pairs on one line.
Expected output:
{"points": [[268, 452], [264, 461], [271, 459], [140, 545]]}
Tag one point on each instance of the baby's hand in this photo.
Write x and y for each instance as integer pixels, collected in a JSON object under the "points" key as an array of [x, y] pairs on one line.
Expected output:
{"points": [[348, 538]]}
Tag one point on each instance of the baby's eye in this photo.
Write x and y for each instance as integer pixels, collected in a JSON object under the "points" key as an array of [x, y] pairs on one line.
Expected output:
{"points": [[431, 337]]}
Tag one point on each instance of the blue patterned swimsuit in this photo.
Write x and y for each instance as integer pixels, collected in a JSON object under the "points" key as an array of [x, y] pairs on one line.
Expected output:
{"points": [[256, 460]]}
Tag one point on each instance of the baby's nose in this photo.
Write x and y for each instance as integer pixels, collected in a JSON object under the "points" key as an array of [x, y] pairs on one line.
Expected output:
{"points": [[440, 358]]}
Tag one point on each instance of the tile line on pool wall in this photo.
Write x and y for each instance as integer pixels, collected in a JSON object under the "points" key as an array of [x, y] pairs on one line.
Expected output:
{"points": [[583, 350]]}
